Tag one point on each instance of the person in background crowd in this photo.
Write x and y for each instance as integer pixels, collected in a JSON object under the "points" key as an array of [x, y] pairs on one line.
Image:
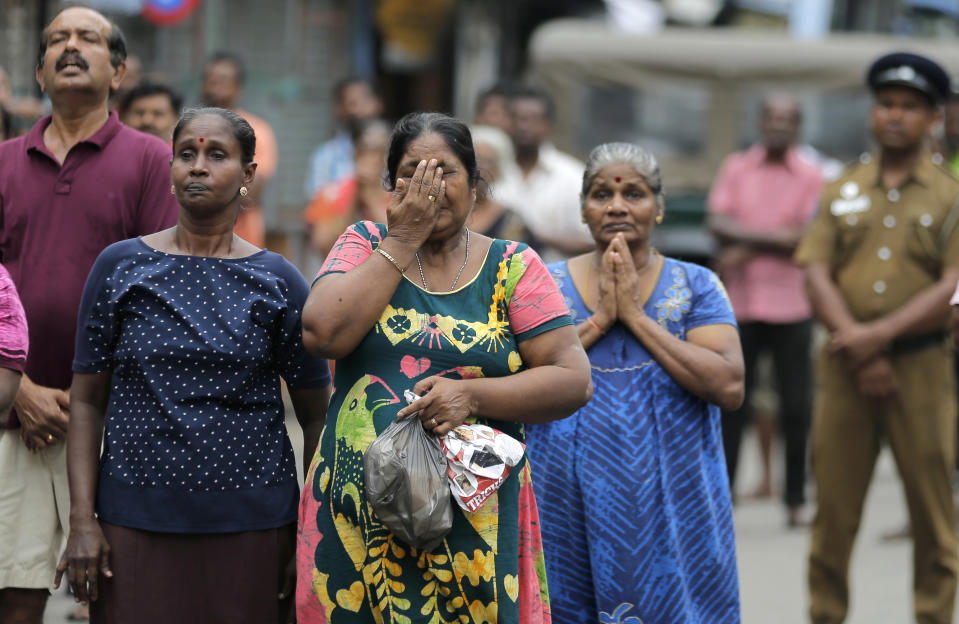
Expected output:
{"points": [[492, 108], [131, 79], [152, 107], [881, 261], [494, 153], [636, 512], [500, 352], [27, 109], [759, 206], [223, 80], [5, 90], [360, 197], [195, 496], [78, 181], [332, 161], [543, 186]]}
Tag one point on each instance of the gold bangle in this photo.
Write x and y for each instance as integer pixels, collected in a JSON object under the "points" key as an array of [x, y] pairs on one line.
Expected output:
{"points": [[392, 260]]}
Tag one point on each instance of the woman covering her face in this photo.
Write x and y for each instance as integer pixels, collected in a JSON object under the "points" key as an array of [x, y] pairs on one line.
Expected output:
{"points": [[477, 328], [183, 338], [632, 489]]}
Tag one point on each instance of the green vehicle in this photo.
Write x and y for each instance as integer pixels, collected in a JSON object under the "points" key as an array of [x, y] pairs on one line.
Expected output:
{"points": [[692, 97]]}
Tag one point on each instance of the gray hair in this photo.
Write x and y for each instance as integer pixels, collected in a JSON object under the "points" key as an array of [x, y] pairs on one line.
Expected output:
{"points": [[499, 141], [627, 153]]}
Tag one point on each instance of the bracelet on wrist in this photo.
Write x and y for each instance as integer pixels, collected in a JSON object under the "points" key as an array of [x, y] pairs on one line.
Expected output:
{"points": [[590, 320], [392, 260]]}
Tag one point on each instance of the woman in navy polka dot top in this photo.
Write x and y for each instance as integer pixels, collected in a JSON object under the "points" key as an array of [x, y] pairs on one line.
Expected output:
{"points": [[182, 339]]}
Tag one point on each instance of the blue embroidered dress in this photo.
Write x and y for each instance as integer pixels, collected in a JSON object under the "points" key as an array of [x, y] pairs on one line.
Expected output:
{"points": [[632, 489]]}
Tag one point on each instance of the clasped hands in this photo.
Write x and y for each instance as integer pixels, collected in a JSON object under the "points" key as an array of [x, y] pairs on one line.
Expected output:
{"points": [[861, 345], [619, 285]]}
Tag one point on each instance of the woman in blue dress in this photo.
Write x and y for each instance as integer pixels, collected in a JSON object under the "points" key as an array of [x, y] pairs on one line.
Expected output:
{"points": [[632, 489]]}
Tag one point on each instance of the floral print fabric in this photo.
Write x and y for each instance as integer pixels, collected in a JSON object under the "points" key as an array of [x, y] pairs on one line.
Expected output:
{"points": [[490, 567]]}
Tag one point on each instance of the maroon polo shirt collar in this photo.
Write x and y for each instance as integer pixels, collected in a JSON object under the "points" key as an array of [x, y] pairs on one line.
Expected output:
{"points": [[99, 139]]}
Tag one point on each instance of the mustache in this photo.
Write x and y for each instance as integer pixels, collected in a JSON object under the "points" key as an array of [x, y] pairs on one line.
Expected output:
{"points": [[71, 57]]}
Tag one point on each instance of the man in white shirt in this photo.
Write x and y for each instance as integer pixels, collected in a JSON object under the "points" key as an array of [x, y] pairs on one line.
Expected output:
{"points": [[544, 187]]}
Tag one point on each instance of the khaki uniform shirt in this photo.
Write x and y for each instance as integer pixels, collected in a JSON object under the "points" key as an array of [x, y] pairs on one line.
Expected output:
{"points": [[883, 246]]}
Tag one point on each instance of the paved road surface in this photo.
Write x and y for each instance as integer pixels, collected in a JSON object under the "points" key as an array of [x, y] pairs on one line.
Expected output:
{"points": [[772, 559]]}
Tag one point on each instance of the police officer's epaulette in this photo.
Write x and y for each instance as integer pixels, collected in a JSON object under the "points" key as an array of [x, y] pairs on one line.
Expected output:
{"points": [[943, 165]]}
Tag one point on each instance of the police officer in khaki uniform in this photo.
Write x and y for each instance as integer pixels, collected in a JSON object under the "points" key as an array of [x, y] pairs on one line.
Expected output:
{"points": [[881, 261]]}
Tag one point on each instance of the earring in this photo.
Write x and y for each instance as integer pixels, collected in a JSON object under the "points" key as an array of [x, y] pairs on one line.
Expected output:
{"points": [[172, 189], [583, 218], [243, 191], [659, 218]]}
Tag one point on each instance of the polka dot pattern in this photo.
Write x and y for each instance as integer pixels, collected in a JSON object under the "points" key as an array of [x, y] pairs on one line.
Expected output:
{"points": [[197, 347]]}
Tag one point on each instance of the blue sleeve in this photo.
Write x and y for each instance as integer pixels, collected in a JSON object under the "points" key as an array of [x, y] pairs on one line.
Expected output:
{"points": [[97, 321], [297, 367], [311, 184], [711, 305]]}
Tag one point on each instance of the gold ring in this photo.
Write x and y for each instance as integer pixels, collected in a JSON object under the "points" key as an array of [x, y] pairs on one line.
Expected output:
{"points": [[432, 198], [49, 437], [433, 420]]}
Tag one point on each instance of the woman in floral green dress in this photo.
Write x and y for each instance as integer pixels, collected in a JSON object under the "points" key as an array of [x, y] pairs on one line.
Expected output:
{"points": [[477, 327]]}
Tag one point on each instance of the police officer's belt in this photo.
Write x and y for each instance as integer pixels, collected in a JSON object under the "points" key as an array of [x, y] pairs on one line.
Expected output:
{"points": [[909, 344]]}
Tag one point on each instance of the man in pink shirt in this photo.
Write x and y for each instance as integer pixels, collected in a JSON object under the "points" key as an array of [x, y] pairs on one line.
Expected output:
{"points": [[759, 206]]}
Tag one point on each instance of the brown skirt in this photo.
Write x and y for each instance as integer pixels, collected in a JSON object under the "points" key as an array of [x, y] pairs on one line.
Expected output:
{"points": [[192, 578]]}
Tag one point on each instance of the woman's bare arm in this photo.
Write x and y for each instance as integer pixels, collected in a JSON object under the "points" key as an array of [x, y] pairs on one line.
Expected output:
{"points": [[556, 383]]}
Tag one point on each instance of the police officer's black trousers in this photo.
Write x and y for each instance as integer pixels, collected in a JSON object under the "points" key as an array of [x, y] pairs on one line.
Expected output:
{"points": [[789, 345]]}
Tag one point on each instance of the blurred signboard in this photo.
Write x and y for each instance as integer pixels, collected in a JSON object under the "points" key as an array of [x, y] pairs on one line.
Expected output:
{"points": [[168, 12]]}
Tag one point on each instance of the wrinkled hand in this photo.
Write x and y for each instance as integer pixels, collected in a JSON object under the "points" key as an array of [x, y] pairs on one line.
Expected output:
{"points": [[731, 257], [411, 215], [44, 414], [858, 343], [289, 587], [877, 380], [607, 310], [87, 555], [444, 399], [627, 278]]}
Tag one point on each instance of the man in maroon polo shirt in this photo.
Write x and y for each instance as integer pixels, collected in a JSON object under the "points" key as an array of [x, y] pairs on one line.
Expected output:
{"points": [[79, 181]]}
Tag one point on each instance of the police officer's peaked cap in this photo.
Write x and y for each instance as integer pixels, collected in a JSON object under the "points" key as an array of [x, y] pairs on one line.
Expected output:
{"points": [[910, 70]]}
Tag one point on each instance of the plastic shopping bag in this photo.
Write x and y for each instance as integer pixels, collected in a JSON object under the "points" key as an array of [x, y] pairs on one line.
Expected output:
{"points": [[406, 483]]}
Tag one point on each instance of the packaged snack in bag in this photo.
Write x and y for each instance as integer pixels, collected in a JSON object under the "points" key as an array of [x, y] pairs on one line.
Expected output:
{"points": [[479, 459], [406, 483]]}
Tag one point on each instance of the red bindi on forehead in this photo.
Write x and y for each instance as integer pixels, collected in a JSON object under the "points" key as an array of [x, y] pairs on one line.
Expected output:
{"points": [[617, 178], [201, 139]]}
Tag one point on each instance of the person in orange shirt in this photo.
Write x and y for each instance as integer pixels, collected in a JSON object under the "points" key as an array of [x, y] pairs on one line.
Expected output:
{"points": [[223, 80], [359, 197]]}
